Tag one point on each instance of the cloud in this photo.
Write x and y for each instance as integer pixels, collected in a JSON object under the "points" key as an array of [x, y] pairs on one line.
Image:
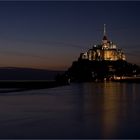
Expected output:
{"points": [[15, 53]]}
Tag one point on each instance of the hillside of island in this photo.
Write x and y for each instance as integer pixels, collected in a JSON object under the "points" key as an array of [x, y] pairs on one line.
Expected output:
{"points": [[85, 70]]}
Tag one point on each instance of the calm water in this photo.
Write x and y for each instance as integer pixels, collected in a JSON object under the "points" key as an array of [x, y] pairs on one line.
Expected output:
{"points": [[88, 110]]}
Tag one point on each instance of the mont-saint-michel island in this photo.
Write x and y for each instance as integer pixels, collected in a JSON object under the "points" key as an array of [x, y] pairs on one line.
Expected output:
{"points": [[103, 62]]}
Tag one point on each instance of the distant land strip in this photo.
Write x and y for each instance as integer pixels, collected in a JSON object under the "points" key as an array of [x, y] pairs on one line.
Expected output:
{"points": [[30, 84]]}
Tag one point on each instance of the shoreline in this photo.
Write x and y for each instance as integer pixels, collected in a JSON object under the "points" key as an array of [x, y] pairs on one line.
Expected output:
{"points": [[30, 84]]}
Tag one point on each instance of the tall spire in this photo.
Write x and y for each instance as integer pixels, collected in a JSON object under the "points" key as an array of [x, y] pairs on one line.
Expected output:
{"points": [[104, 30], [105, 37]]}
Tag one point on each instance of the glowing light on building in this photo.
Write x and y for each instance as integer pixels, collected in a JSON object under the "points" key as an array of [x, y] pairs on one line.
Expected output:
{"points": [[107, 50]]}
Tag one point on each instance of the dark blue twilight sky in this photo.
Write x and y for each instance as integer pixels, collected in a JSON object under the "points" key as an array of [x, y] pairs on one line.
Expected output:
{"points": [[50, 35]]}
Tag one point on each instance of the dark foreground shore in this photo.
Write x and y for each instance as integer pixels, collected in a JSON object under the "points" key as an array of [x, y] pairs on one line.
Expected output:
{"points": [[30, 84]]}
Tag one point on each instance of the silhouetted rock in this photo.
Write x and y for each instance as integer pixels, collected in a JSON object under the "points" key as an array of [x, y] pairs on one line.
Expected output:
{"points": [[85, 70]]}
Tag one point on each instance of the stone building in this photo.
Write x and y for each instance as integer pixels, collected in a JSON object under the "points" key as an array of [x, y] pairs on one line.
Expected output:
{"points": [[107, 50]]}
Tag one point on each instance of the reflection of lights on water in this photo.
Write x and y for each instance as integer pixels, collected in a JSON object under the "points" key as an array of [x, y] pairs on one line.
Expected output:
{"points": [[134, 91], [111, 105], [110, 109], [119, 99]]}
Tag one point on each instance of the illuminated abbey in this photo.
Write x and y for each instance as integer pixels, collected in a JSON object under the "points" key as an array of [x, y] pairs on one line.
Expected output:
{"points": [[105, 51], [104, 62]]}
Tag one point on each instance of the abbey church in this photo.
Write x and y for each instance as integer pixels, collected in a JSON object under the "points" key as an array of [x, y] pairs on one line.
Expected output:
{"points": [[105, 51]]}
